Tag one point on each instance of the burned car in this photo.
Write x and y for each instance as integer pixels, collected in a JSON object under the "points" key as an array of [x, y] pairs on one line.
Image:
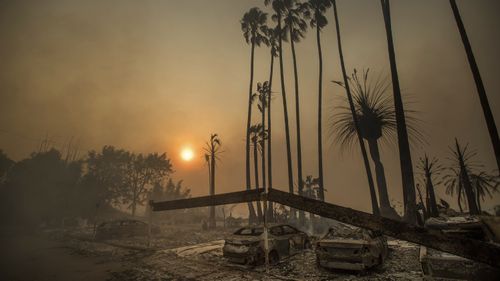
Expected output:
{"points": [[440, 265], [123, 228], [350, 248], [246, 245]]}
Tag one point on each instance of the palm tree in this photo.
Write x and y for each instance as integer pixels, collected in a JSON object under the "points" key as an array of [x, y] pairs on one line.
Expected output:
{"points": [[403, 143], [429, 169], [483, 98], [255, 136], [272, 39], [212, 150], [376, 120], [295, 26], [262, 105], [459, 177], [253, 26], [278, 8], [373, 196], [317, 10], [483, 185]]}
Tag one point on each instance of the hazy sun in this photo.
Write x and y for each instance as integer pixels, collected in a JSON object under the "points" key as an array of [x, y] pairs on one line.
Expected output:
{"points": [[187, 154]]}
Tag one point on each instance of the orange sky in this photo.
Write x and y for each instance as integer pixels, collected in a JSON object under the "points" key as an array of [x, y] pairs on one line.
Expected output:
{"points": [[158, 75]]}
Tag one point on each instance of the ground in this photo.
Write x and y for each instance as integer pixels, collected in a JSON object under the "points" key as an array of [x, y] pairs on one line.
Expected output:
{"points": [[186, 253]]}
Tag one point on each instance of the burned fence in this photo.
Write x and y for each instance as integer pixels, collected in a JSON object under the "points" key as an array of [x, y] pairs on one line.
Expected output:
{"points": [[468, 248]]}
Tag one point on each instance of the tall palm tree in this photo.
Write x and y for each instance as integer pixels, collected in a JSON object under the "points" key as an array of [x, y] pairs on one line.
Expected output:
{"points": [[272, 39], [458, 179], [255, 136], [295, 26], [377, 121], [316, 11], [262, 105], [212, 150], [430, 168], [483, 98], [253, 26], [373, 195], [279, 8], [409, 195]]}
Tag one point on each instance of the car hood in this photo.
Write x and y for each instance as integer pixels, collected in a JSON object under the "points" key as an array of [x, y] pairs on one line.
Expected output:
{"points": [[343, 243], [242, 239]]}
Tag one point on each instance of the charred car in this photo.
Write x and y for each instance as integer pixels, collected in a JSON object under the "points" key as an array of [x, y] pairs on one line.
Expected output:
{"points": [[123, 228], [437, 265], [246, 245], [350, 248]]}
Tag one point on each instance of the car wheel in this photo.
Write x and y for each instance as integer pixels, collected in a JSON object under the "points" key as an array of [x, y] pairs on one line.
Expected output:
{"points": [[273, 257]]}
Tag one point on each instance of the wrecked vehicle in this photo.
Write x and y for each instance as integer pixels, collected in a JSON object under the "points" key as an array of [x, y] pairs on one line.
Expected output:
{"points": [[440, 265], [246, 245], [124, 228], [350, 248]]}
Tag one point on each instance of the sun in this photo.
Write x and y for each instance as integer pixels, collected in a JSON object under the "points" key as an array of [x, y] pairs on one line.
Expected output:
{"points": [[187, 154]]}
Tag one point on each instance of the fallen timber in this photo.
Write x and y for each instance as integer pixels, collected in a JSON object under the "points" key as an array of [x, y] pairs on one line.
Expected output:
{"points": [[468, 248]]}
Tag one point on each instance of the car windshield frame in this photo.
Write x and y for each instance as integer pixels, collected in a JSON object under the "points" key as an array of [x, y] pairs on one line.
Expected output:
{"points": [[249, 231]]}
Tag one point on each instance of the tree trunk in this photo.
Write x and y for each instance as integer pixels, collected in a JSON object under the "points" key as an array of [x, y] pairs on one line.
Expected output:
{"points": [[285, 112], [459, 201], [297, 121], [251, 211], [478, 202], [469, 192], [403, 143], [270, 214], [211, 223], [256, 169], [320, 113], [373, 196], [432, 205], [483, 98], [383, 196]]}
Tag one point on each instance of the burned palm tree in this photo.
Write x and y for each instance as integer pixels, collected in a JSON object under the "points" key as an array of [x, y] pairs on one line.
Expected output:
{"points": [[458, 179], [212, 151], [345, 84], [316, 12], [279, 9], [253, 26], [401, 125], [483, 98], [377, 121], [295, 26], [430, 169], [484, 184]]}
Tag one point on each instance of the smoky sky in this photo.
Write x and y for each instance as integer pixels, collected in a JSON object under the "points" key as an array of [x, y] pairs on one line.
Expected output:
{"points": [[159, 75]]}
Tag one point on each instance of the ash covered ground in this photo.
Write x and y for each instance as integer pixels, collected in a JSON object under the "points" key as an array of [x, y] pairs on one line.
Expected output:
{"points": [[189, 253]]}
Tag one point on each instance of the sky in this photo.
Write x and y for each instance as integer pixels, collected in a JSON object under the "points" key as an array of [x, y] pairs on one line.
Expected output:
{"points": [[158, 76]]}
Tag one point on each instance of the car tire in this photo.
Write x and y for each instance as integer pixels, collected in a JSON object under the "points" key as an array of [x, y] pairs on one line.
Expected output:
{"points": [[274, 258]]}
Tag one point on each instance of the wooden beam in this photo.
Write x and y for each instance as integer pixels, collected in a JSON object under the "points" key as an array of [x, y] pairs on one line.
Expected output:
{"points": [[469, 248], [220, 199]]}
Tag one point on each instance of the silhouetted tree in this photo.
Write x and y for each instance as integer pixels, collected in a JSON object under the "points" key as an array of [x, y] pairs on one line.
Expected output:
{"points": [[484, 184], [295, 26], [345, 84], [316, 11], [213, 150], [403, 143], [458, 179], [279, 9], [255, 137], [253, 27], [483, 98], [429, 169]]}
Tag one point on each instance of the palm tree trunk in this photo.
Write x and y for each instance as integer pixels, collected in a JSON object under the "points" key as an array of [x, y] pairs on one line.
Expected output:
{"points": [[478, 202], [211, 223], [320, 113], [432, 205], [285, 112], [270, 214], [373, 195], [459, 201], [483, 98], [424, 209], [264, 183], [383, 196], [251, 211], [403, 143], [297, 119], [256, 169], [469, 192]]}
